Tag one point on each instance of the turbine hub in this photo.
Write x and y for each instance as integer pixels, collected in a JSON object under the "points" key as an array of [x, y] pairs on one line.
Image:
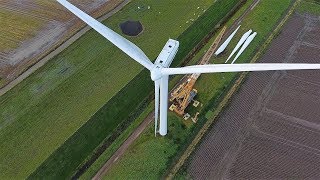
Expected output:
{"points": [[156, 73]]}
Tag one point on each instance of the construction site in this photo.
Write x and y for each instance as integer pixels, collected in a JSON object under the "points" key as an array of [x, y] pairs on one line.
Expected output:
{"points": [[184, 94]]}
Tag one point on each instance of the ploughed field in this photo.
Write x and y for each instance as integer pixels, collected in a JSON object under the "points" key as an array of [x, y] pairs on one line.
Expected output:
{"points": [[271, 128], [31, 28]]}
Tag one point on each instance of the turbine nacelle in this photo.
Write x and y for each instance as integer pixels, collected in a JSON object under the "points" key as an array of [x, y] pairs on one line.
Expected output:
{"points": [[156, 73]]}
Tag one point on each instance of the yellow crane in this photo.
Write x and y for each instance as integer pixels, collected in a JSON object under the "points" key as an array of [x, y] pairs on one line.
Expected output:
{"points": [[184, 93]]}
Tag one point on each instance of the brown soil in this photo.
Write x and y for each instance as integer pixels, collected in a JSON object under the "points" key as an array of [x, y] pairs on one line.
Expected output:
{"points": [[58, 26], [271, 129]]}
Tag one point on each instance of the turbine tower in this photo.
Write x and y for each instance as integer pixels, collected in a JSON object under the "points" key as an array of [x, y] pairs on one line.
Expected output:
{"points": [[160, 70]]}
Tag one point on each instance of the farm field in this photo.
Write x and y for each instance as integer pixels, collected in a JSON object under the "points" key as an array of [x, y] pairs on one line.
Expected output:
{"points": [[155, 155], [32, 28], [270, 128], [55, 101]]}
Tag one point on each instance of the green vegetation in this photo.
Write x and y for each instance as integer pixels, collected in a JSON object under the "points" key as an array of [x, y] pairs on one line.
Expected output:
{"points": [[42, 112], [310, 6], [144, 153]]}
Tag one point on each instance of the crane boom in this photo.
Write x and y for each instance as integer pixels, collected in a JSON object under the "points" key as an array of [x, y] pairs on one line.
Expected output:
{"points": [[182, 94]]}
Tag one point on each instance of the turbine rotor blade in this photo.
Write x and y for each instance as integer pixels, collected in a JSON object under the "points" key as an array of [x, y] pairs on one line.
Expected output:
{"points": [[156, 106], [163, 126], [217, 68], [125, 45]]}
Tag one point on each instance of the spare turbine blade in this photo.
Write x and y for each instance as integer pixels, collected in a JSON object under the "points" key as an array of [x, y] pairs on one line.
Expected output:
{"points": [[241, 41], [216, 68], [126, 46], [245, 45], [226, 43], [156, 105]]}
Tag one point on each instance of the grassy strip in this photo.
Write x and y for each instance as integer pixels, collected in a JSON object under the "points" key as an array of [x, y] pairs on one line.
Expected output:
{"points": [[63, 162], [310, 6], [155, 155]]}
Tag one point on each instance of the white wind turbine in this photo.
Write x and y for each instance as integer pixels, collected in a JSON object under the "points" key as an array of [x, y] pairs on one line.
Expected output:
{"points": [[160, 70]]}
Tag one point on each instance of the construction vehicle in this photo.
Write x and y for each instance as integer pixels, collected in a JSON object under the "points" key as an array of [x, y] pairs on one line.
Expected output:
{"points": [[184, 92]]}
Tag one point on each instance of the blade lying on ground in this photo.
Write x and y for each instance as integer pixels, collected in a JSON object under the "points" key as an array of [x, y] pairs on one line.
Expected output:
{"points": [[241, 41], [244, 46], [216, 68], [126, 46], [156, 105]]}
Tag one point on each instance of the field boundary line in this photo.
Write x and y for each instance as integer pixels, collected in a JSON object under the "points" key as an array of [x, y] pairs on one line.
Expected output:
{"points": [[227, 98], [59, 49]]}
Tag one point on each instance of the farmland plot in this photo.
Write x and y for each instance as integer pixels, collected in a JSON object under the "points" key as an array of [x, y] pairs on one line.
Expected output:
{"points": [[30, 29], [271, 128]]}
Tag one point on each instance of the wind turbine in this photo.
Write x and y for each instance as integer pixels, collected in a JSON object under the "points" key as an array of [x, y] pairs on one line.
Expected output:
{"points": [[160, 70]]}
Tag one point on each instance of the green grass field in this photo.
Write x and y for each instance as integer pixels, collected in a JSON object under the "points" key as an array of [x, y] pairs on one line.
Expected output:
{"points": [[41, 113], [150, 157]]}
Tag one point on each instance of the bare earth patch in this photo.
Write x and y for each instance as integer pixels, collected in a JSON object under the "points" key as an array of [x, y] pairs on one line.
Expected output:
{"points": [[271, 129]]}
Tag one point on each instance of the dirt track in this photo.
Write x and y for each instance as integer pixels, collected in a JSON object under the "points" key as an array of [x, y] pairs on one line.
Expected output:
{"points": [[271, 128], [101, 173]]}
